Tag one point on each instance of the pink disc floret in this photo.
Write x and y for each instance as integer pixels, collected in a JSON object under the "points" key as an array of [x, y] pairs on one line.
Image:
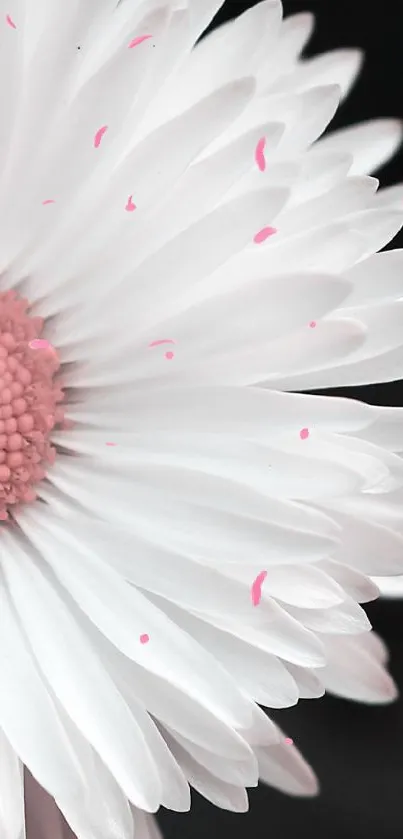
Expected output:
{"points": [[30, 403]]}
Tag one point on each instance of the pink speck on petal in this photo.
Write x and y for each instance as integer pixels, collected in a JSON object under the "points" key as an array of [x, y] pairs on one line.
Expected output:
{"points": [[264, 234], [98, 136], [48, 201], [256, 589], [144, 639], [40, 344], [10, 22], [259, 154], [111, 444], [139, 40], [289, 742], [168, 355], [313, 324], [304, 433], [130, 206]]}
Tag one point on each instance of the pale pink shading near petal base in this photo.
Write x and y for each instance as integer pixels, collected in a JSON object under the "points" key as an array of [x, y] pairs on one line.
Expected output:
{"points": [[48, 201], [139, 40], [144, 639], [259, 154], [130, 206], [111, 444], [304, 433], [264, 234], [99, 135], [10, 22], [256, 588]]}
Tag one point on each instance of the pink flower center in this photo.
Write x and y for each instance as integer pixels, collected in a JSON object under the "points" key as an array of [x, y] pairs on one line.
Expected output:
{"points": [[29, 402]]}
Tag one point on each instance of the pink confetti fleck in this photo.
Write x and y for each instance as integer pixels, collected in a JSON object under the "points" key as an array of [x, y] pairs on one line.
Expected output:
{"points": [[130, 206], [256, 589], [144, 639], [168, 355], [289, 742], [10, 22], [313, 324], [40, 344], [139, 40], [304, 433], [98, 136], [264, 234], [49, 201], [259, 154]]}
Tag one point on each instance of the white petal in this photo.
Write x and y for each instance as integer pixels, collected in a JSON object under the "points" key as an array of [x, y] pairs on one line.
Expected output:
{"points": [[283, 767], [220, 793], [242, 41], [146, 826], [294, 33], [377, 279], [123, 614], [345, 619], [390, 586], [354, 673], [261, 676], [349, 196], [368, 546], [358, 586], [238, 772], [339, 67], [308, 681], [79, 679], [372, 143], [255, 413], [41, 742]]}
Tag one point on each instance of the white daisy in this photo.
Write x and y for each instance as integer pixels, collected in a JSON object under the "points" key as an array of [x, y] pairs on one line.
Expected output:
{"points": [[181, 537]]}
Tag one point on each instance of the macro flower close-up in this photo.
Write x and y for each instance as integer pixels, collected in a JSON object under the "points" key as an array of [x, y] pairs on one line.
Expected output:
{"points": [[187, 531]]}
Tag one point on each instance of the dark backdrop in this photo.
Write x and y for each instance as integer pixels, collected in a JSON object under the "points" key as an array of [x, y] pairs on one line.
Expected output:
{"points": [[357, 751]]}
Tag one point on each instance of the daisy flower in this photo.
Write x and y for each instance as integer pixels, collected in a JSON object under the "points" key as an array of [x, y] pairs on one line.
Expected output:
{"points": [[185, 535]]}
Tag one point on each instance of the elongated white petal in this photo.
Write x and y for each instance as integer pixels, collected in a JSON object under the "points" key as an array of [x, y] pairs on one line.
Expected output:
{"points": [[79, 678], [283, 767], [371, 143], [355, 672]]}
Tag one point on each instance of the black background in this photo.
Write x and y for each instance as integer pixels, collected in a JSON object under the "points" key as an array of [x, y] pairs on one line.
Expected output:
{"points": [[357, 751]]}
